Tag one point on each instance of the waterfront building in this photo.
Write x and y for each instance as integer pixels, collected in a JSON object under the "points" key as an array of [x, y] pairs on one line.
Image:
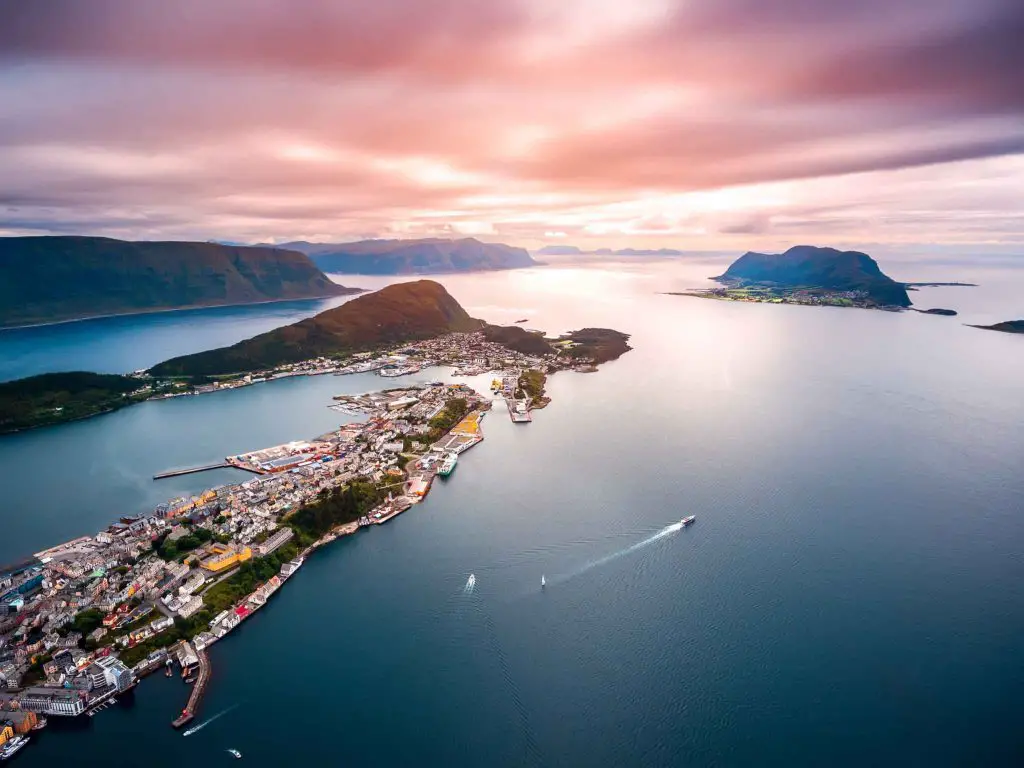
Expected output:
{"points": [[6, 731], [111, 672], [53, 701]]}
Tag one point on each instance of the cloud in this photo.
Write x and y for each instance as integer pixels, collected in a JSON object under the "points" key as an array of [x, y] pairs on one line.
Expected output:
{"points": [[513, 117]]}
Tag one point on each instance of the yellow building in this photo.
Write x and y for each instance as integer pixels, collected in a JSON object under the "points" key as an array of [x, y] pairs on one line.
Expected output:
{"points": [[223, 557], [6, 732]]}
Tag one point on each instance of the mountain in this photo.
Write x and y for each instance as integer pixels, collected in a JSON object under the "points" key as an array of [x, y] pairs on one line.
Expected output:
{"points": [[806, 266], [559, 250], [392, 315], [1010, 326], [412, 257], [47, 279]]}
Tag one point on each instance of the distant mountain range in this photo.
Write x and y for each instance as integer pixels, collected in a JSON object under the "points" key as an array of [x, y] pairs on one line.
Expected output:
{"points": [[49, 279], [398, 313], [572, 250], [807, 266], [412, 257]]}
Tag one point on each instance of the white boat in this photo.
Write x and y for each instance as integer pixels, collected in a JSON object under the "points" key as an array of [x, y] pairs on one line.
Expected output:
{"points": [[236, 753], [448, 464], [688, 520], [14, 745], [543, 581]]}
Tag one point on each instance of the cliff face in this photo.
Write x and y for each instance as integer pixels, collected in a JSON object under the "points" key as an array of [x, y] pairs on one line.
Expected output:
{"points": [[392, 315], [47, 279], [808, 266], [405, 257]]}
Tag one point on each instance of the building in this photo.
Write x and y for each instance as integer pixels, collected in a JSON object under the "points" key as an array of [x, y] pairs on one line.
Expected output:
{"points": [[110, 671], [6, 731], [274, 542], [53, 701], [223, 557], [191, 607]]}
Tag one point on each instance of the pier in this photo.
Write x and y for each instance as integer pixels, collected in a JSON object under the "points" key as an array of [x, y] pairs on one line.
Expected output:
{"points": [[191, 470], [197, 691]]}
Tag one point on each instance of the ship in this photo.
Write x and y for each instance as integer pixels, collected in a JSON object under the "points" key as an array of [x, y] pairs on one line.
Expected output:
{"points": [[543, 581], [40, 723], [688, 520], [448, 464], [9, 749], [236, 753]]}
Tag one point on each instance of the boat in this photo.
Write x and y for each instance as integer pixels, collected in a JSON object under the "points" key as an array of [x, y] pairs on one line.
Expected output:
{"points": [[41, 723], [688, 520], [448, 464], [543, 581], [14, 745], [236, 753]]}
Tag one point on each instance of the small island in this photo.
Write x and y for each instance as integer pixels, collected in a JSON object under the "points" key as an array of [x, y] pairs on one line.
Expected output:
{"points": [[1010, 326], [938, 311], [806, 274]]}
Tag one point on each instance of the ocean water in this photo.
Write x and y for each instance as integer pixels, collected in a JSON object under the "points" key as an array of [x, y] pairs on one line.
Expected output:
{"points": [[852, 592]]}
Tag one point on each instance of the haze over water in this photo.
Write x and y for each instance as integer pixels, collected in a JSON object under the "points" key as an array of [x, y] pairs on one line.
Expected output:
{"points": [[852, 592]]}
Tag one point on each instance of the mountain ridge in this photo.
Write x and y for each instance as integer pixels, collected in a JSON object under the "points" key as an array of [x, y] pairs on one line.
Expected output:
{"points": [[397, 313], [45, 279], [414, 256]]}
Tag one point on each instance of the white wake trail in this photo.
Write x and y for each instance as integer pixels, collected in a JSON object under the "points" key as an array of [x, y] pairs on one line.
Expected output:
{"points": [[668, 530]]}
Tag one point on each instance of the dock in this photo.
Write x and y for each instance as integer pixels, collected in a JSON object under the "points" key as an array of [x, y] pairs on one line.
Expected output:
{"points": [[198, 690], [191, 470]]}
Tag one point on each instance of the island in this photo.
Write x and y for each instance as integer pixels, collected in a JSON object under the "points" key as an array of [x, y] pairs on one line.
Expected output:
{"points": [[335, 341], [1010, 326], [86, 620], [54, 279], [807, 274], [938, 311], [413, 257]]}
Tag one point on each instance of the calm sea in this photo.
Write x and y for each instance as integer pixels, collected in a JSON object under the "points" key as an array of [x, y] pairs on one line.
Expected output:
{"points": [[852, 592]]}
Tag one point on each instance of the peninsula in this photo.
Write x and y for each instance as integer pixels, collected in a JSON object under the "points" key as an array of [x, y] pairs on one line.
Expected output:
{"points": [[1010, 326], [807, 274], [413, 257], [332, 342], [54, 279], [84, 621]]}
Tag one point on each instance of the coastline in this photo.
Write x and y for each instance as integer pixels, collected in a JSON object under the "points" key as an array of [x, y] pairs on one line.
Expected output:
{"points": [[236, 544], [349, 291]]}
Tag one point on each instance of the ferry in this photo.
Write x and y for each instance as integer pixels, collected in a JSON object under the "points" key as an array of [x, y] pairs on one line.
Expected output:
{"points": [[14, 745], [237, 755], [448, 464], [688, 520]]}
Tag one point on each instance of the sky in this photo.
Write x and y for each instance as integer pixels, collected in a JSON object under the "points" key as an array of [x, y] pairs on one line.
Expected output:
{"points": [[694, 124]]}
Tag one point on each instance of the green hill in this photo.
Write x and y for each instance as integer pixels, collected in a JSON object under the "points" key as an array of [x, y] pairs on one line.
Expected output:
{"points": [[806, 266], [413, 257], [48, 279], [392, 315], [52, 398]]}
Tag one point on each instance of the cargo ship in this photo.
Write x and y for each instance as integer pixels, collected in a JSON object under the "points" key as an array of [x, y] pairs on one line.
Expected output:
{"points": [[448, 464]]}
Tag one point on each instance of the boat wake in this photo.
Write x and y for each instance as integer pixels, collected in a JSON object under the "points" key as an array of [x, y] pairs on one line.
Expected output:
{"points": [[205, 723], [470, 585], [668, 530]]}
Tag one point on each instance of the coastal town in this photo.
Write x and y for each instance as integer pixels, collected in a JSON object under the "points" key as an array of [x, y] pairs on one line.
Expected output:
{"points": [[83, 622]]}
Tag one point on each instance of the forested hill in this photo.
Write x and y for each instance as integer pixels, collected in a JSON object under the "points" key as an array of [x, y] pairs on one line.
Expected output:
{"points": [[49, 279], [412, 257], [398, 313], [806, 266]]}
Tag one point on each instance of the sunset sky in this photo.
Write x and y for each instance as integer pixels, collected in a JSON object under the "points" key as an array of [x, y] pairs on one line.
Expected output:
{"points": [[696, 124]]}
